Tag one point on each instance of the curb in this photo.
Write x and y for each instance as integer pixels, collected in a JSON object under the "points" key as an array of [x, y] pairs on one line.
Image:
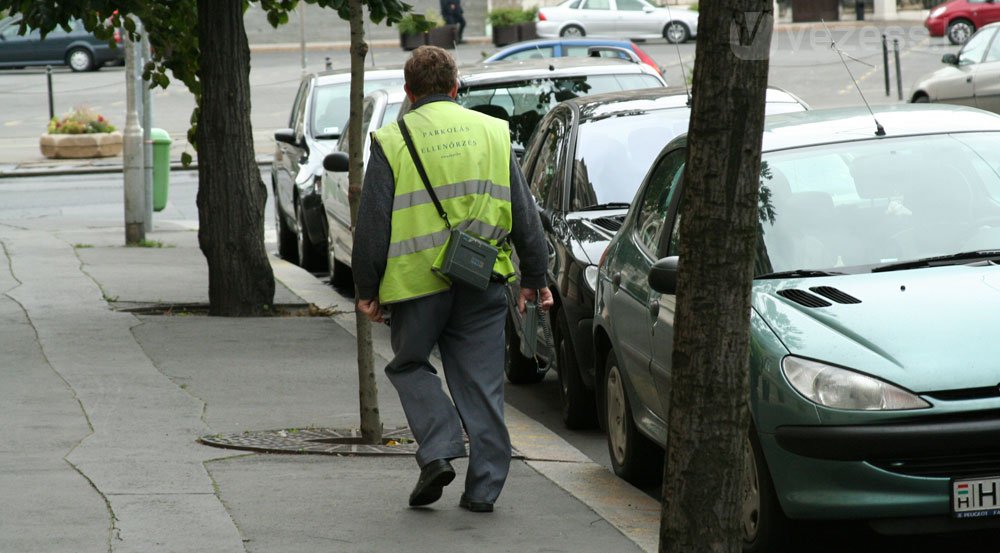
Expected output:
{"points": [[344, 45], [57, 170]]}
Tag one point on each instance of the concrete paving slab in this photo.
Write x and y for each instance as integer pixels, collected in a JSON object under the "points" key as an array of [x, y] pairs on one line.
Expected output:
{"points": [[173, 524], [352, 505]]}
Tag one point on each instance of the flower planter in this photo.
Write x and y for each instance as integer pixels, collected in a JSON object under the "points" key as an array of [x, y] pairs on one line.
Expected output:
{"points": [[502, 36], [411, 41], [443, 37], [74, 146], [526, 31]]}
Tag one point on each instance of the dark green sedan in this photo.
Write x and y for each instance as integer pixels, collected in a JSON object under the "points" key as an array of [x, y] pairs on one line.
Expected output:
{"points": [[875, 358]]}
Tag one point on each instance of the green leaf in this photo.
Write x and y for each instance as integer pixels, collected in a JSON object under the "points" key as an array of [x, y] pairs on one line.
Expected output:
{"points": [[186, 159]]}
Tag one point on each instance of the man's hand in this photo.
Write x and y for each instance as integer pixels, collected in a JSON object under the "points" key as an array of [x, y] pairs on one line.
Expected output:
{"points": [[371, 309], [529, 294]]}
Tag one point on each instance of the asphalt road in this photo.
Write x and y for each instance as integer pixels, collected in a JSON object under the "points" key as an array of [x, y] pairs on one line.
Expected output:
{"points": [[801, 61]]}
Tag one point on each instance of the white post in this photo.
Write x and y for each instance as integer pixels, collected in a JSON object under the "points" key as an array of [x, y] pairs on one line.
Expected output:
{"points": [[302, 34], [147, 126], [885, 10], [135, 205], [777, 12]]}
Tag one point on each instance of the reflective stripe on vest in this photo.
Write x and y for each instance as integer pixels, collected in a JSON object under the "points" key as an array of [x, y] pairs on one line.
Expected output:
{"points": [[467, 158]]}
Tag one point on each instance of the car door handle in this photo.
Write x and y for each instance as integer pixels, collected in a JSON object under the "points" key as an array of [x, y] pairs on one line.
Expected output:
{"points": [[616, 279], [968, 79], [654, 308]]}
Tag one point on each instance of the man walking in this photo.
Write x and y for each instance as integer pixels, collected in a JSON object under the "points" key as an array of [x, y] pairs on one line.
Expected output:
{"points": [[451, 11], [469, 181]]}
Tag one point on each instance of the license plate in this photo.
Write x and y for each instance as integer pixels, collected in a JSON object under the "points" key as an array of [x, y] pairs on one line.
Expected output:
{"points": [[975, 497]]}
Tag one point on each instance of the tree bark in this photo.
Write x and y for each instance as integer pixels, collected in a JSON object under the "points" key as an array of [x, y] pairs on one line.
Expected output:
{"points": [[371, 423], [708, 418], [231, 194]]}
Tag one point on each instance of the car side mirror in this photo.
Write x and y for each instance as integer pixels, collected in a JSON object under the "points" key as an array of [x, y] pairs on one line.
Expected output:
{"points": [[286, 136], [663, 275], [950, 59], [337, 162]]}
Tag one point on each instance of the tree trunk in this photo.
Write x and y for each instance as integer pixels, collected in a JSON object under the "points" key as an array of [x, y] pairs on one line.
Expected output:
{"points": [[371, 423], [231, 194], [708, 419]]}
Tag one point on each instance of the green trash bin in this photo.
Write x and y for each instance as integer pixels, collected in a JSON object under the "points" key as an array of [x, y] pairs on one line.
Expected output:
{"points": [[161, 166]]}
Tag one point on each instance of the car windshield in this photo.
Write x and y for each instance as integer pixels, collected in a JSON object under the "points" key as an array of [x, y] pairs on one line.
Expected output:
{"points": [[859, 206], [613, 154], [524, 103], [332, 108]]}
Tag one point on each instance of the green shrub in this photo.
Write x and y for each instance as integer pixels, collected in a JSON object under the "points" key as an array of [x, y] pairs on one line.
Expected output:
{"points": [[416, 23], [82, 120], [507, 17]]}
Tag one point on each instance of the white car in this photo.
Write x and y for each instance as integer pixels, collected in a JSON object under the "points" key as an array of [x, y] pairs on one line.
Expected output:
{"points": [[617, 18], [380, 107]]}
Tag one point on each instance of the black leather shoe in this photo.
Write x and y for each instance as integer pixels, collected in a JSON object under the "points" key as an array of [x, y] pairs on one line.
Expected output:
{"points": [[475, 506], [433, 478]]}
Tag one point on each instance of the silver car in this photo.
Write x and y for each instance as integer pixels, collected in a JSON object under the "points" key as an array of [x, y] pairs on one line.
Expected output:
{"points": [[617, 18], [971, 78]]}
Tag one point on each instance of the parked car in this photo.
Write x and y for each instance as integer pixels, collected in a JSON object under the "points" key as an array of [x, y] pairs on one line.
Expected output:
{"points": [[971, 78], [584, 165], [77, 48], [557, 48], [380, 108], [958, 19], [318, 116], [873, 383], [618, 18]]}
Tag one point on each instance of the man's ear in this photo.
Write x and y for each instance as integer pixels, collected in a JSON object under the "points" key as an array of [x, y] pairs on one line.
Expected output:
{"points": [[454, 90], [409, 95]]}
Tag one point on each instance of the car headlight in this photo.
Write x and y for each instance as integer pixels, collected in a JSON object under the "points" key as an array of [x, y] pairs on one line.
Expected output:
{"points": [[846, 389], [590, 276], [939, 11]]}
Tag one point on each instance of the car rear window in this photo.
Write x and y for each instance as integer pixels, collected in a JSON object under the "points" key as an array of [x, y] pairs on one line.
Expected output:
{"points": [[524, 103], [331, 105]]}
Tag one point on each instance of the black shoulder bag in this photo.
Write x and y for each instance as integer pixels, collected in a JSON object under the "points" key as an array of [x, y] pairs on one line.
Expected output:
{"points": [[467, 259]]}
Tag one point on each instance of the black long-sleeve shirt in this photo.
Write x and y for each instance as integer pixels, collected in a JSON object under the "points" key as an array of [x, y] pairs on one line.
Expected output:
{"points": [[372, 233]]}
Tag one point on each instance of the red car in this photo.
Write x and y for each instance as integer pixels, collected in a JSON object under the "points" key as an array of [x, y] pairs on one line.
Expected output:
{"points": [[958, 19]]}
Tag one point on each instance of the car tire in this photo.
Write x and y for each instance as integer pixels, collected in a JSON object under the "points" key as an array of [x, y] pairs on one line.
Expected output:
{"points": [[340, 274], [579, 409], [286, 236], [676, 32], [572, 31], [921, 98], [765, 528], [959, 31], [306, 250], [80, 59], [518, 368], [634, 457]]}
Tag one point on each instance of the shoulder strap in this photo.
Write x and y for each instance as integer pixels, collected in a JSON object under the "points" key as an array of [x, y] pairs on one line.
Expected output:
{"points": [[422, 172]]}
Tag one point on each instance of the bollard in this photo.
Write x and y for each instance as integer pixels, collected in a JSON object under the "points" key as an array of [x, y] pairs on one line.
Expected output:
{"points": [[52, 105], [329, 64], [885, 62], [859, 9], [899, 70]]}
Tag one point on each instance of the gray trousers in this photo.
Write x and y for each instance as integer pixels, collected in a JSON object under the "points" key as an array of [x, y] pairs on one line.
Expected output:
{"points": [[468, 327]]}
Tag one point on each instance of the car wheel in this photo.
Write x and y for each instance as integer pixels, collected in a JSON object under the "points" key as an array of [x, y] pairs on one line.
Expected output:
{"points": [[763, 521], [306, 250], [518, 368], [286, 237], [921, 98], [579, 409], [676, 32], [572, 31], [959, 31], [633, 456], [80, 59], [340, 274]]}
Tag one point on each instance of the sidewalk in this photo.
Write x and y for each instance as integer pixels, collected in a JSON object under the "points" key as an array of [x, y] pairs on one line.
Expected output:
{"points": [[104, 404]]}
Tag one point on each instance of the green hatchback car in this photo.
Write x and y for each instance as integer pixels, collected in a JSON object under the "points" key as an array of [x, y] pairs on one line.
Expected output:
{"points": [[875, 358]]}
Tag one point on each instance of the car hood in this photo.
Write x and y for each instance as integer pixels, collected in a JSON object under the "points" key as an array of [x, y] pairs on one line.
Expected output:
{"points": [[593, 230], [925, 329]]}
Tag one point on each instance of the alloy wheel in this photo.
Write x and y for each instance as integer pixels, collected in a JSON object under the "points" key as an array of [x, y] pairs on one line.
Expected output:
{"points": [[572, 31], [751, 497], [676, 33], [617, 433], [80, 60], [959, 32]]}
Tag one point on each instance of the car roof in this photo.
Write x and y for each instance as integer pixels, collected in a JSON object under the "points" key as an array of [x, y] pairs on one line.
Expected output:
{"points": [[611, 104], [516, 70], [339, 76], [809, 128], [582, 41]]}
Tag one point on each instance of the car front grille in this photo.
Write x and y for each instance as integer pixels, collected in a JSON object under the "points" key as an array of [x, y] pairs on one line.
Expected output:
{"points": [[946, 466]]}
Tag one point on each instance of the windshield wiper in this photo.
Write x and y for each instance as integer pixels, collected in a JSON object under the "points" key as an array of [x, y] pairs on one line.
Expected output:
{"points": [[609, 205], [938, 261], [797, 273]]}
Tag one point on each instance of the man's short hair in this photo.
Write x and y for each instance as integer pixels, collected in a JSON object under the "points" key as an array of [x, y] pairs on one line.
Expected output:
{"points": [[430, 70]]}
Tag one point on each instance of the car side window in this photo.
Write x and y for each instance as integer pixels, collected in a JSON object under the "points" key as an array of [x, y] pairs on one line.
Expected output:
{"points": [[300, 100], [655, 202], [973, 50], [366, 120], [545, 174], [993, 54], [531, 53], [630, 5], [596, 5]]}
